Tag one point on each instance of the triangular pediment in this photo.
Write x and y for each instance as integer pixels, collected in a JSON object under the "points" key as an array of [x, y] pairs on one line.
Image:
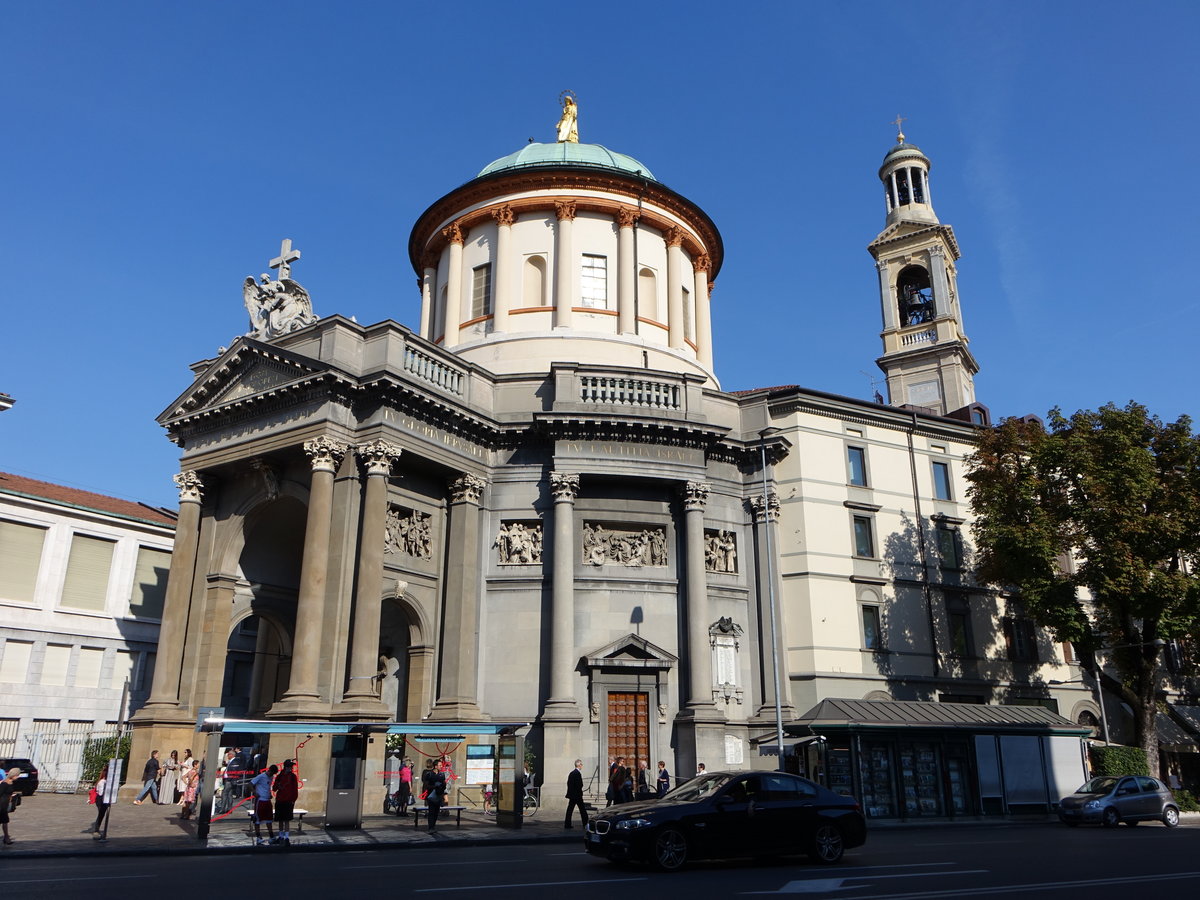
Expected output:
{"points": [[631, 651], [915, 232], [246, 369]]}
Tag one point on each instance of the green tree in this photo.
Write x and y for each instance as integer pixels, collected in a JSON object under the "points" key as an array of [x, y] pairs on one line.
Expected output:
{"points": [[1096, 523]]}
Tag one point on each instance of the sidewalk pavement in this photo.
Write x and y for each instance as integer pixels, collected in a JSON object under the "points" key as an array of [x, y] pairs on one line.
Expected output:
{"points": [[48, 825]]}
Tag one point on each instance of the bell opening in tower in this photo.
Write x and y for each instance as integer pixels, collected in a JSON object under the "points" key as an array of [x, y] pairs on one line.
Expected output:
{"points": [[913, 293]]}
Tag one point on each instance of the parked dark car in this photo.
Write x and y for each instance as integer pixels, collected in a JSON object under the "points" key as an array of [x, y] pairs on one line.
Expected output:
{"points": [[730, 814], [1112, 799], [27, 781]]}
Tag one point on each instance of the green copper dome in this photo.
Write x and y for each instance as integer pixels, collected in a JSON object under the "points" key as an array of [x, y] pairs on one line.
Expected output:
{"points": [[905, 150], [567, 154]]}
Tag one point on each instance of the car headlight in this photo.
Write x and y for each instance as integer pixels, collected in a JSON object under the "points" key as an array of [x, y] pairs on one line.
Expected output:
{"points": [[1092, 804], [631, 824]]}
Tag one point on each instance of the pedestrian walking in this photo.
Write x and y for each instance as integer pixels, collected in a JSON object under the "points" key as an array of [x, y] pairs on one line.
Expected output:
{"points": [[150, 773], [663, 781], [616, 779], [7, 792], [287, 789], [260, 784], [575, 795], [433, 783], [98, 790], [405, 792]]}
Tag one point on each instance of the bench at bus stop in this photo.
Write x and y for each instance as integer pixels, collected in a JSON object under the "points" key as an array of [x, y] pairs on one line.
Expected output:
{"points": [[417, 810]]}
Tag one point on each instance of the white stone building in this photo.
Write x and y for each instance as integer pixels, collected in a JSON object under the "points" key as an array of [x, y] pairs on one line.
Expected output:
{"points": [[82, 580], [540, 506]]}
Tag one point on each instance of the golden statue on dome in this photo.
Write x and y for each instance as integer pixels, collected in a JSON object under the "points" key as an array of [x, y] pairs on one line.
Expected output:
{"points": [[568, 125]]}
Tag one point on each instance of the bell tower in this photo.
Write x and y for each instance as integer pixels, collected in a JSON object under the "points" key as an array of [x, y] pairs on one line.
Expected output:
{"points": [[925, 350]]}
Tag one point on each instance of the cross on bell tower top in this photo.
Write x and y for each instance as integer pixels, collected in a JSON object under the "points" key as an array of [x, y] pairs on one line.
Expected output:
{"points": [[286, 257], [898, 122]]}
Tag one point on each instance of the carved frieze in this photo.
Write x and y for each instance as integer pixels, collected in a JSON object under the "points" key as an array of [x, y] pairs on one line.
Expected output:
{"points": [[720, 551], [624, 545], [519, 543], [408, 532]]}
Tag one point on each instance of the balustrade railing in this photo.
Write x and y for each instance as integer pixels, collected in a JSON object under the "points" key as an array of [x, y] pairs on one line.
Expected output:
{"points": [[433, 371], [621, 391]]}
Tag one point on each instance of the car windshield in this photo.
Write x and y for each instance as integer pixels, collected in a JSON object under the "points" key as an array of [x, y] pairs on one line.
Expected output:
{"points": [[697, 788], [1099, 785]]}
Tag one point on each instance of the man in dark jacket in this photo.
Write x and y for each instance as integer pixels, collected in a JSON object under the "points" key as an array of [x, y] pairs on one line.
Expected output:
{"points": [[149, 779], [575, 795]]}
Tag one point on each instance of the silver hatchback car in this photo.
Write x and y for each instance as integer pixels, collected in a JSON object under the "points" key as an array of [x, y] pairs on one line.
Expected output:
{"points": [[1112, 799]]}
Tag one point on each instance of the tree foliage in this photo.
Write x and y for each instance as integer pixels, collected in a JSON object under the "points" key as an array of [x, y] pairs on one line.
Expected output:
{"points": [[1095, 521]]}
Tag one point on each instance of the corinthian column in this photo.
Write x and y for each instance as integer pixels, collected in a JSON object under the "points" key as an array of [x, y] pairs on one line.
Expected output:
{"points": [[452, 314], [562, 705], [164, 692], [302, 695], [695, 497], [378, 457], [675, 332], [626, 272], [505, 266], [457, 701], [771, 590], [700, 265], [564, 264]]}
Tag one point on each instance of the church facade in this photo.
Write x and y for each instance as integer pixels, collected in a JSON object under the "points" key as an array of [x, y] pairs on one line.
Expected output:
{"points": [[540, 506]]}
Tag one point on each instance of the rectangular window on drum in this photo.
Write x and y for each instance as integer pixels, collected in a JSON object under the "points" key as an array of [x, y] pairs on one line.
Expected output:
{"points": [[481, 291], [593, 288]]}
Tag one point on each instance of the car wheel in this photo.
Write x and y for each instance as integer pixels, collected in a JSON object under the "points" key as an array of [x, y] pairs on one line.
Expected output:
{"points": [[1170, 817], [1111, 818], [827, 844], [670, 849]]}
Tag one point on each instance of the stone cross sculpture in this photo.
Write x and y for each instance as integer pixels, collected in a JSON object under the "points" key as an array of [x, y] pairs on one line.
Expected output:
{"points": [[277, 307]]}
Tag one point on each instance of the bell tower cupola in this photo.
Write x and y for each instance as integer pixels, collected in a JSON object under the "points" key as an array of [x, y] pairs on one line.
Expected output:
{"points": [[926, 357]]}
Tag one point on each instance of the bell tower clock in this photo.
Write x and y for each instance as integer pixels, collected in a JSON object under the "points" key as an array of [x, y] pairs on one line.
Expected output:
{"points": [[926, 357]]}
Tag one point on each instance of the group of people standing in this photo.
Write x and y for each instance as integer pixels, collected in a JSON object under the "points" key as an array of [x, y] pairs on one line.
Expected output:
{"points": [[626, 784], [173, 782]]}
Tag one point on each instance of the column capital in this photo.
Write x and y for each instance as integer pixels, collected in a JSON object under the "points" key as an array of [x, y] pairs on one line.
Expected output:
{"points": [[378, 456], [504, 215], [702, 263], [674, 236], [937, 250], [429, 260], [564, 486], [191, 486], [756, 504], [712, 286], [467, 489], [626, 216], [695, 495], [565, 210], [325, 454], [454, 233]]}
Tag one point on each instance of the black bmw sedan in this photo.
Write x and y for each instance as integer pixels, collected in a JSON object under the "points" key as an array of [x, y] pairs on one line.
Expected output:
{"points": [[730, 814]]}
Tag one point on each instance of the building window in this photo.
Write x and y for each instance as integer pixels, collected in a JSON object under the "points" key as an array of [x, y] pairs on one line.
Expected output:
{"points": [[123, 664], [21, 551], [149, 583], [856, 457], [1020, 636], [86, 585], [88, 666], [688, 332], [14, 667], [941, 481], [958, 617], [54, 664], [872, 636], [481, 291], [949, 548], [593, 289], [864, 541]]}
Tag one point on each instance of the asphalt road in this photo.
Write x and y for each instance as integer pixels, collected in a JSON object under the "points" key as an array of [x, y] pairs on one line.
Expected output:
{"points": [[1034, 861]]}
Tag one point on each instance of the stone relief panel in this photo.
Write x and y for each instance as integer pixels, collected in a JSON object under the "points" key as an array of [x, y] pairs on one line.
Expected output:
{"points": [[623, 545], [720, 551], [519, 543], [408, 532]]}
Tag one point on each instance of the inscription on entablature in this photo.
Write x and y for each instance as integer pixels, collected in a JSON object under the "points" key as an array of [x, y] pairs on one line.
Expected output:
{"points": [[625, 450], [623, 545], [434, 434]]}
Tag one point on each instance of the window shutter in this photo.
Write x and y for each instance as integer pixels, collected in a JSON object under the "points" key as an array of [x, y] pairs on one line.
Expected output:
{"points": [[14, 668], [86, 586], [122, 669], [87, 670], [20, 556], [54, 664]]}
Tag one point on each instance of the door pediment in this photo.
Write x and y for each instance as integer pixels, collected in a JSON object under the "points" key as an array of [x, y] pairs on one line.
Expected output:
{"points": [[631, 652]]}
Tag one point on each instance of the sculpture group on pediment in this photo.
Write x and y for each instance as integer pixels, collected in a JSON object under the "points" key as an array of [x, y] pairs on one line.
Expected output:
{"points": [[519, 543], [408, 532], [276, 307], [720, 551], [625, 547]]}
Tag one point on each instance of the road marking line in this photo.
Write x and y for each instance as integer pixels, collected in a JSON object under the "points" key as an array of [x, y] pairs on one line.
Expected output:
{"points": [[527, 884], [1044, 885], [822, 885], [478, 862], [87, 878]]}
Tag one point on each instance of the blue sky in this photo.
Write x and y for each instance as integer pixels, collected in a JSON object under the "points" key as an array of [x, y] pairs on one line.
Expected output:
{"points": [[155, 153]]}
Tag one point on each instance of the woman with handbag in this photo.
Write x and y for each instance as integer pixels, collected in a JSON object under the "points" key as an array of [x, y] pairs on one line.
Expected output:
{"points": [[7, 794], [434, 783]]}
